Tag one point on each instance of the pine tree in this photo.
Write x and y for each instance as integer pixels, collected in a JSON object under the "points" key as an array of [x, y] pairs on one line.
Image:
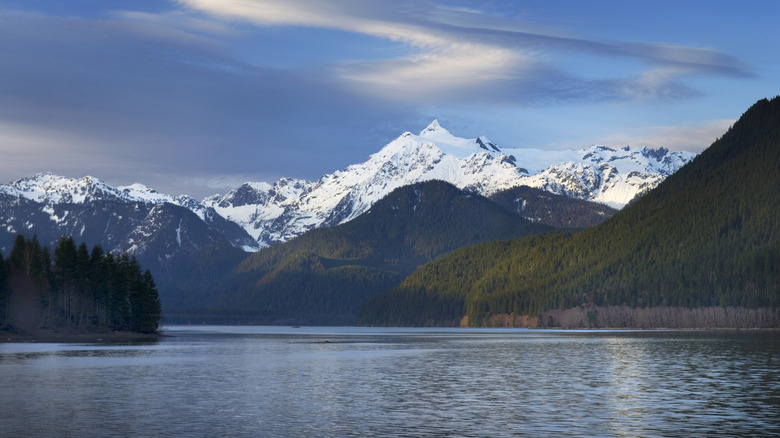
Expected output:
{"points": [[119, 305], [145, 304], [22, 255], [98, 285], [82, 288], [65, 276]]}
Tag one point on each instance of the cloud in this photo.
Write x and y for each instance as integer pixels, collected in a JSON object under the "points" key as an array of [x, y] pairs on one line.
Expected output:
{"points": [[28, 149], [694, 137], [167, 107], [179, 20], [19, 142], [174, 100], [688, 59], [660, 84], [462, 67], [493, 58]]}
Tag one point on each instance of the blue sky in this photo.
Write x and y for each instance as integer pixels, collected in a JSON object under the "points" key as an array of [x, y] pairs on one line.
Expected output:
{"points": [[197, 96]]}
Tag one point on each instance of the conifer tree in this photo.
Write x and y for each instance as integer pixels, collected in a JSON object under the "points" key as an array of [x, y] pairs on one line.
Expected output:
{"points": [[145, 304], [82, 288]]}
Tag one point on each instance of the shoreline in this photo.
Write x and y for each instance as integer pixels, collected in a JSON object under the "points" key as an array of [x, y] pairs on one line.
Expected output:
{"points": [[77, 337]]}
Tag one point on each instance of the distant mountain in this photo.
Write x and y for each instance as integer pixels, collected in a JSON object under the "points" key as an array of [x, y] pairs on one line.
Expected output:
{"points": [[706, 238], [186, 243], [280, 211], [325, 275], [165, 233]]}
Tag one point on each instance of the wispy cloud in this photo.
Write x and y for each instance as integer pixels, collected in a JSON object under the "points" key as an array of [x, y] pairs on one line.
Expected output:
{"points": [[145, 101], [26, 150], [686, 137], [664, 83], [453, 49], [176, 20], [182, 96]]}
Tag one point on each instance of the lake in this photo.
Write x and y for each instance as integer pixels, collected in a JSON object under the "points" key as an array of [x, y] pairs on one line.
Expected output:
{"points": [[326, 381]]}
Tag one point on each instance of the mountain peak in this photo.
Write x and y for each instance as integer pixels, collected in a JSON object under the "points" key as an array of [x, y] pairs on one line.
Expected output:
{"points": [[48, 187], [487, 145], [433, 127]]}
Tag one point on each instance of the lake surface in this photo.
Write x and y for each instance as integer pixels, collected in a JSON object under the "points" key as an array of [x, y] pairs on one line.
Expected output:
{"points": [[280, 381]]}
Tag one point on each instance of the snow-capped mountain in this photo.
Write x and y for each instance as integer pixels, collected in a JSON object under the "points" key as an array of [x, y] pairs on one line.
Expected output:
{"points": [[132, 218], [288, 207], [258, 213], [47, 188]]}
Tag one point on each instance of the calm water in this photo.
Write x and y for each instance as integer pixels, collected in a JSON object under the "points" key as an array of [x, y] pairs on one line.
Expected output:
{"points": [[275, 381]]}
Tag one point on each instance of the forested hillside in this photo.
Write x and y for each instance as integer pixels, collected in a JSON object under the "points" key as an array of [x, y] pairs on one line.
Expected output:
{"points": [[325, 275], [77, 289], [707, 236], [547, 208]]}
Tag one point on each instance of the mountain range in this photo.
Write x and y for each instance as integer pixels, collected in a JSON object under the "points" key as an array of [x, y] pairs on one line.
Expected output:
{"points": [[325, 275], [700, 250], [164, 232], [285, 209], [280, 211], [187, 243]]}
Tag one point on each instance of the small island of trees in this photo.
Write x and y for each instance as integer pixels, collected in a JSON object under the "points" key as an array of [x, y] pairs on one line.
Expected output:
{"points": [[76, 289]]}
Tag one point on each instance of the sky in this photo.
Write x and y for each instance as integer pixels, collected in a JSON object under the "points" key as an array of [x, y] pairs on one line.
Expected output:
{"points": [[196, 97]]}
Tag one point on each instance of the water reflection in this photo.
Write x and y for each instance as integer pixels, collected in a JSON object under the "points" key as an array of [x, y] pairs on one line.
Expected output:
{"points": [[366, 382], [627, 384]]}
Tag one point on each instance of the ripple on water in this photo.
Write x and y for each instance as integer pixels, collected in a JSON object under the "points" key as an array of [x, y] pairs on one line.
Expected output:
{"points": [[372, 382]]}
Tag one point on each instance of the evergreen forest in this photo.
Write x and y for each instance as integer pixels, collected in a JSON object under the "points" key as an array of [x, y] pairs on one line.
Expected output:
{"points": [[74, 289], [707, 237], [324, 276]]}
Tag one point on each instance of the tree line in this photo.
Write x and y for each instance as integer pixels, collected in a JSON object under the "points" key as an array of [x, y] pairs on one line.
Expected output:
{"points": [[75, 288]]}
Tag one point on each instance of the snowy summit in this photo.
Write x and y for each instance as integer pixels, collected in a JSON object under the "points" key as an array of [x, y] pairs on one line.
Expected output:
{"points": [[287, 208], [279, 211]]}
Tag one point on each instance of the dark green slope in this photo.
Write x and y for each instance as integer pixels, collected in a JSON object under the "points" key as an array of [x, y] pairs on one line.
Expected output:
{"points": [[707, 236], [324, 276]]}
